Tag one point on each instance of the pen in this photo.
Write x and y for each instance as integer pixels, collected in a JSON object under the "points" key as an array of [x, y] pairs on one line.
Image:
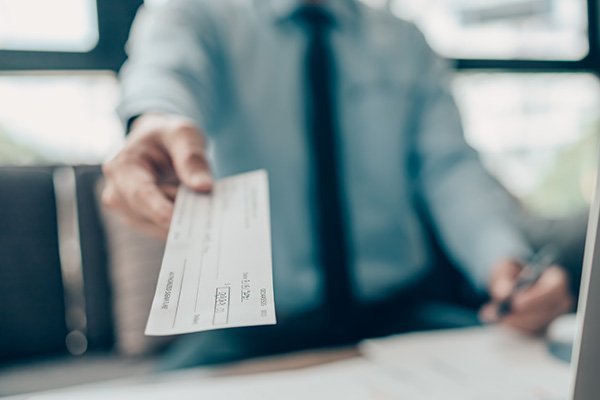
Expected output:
{"points": [[530, 274]]}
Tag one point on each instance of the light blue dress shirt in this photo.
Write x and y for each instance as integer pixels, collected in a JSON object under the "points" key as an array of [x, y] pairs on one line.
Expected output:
{"points": [[236, 67]]}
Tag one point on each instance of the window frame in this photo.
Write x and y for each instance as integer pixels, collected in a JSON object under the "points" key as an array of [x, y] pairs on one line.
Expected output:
{"points": [[590, 63], [114, 21], [115, 17]]}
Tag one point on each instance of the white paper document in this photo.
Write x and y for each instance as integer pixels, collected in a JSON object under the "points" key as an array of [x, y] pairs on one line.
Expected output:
{"points": [[482, 363], [217, 269]]}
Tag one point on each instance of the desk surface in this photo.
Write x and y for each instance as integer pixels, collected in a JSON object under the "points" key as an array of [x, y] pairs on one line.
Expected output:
{"points": [[474, 363]]}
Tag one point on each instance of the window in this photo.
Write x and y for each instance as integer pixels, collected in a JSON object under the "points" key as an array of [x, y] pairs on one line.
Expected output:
{"points": [[57, 25], [511, 29], [538, 133], [58, 85], [58, 118]]}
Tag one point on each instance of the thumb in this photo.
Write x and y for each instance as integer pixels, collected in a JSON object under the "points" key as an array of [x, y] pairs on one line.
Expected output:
{"points": [[187, 152], [504, 278]]}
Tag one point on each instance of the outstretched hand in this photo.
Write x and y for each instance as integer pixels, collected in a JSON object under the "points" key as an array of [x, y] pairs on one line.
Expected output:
{"points": [[161, 152]]}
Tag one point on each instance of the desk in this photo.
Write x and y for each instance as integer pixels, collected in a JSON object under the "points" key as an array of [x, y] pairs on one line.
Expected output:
{"points": [[475, 363]]}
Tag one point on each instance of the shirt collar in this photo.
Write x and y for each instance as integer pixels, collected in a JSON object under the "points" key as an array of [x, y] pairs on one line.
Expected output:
{"points": [[343, 11]]}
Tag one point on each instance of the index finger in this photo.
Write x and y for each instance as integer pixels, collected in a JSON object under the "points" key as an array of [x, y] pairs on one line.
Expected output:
{"points": [[138, 188], [504, 278]]}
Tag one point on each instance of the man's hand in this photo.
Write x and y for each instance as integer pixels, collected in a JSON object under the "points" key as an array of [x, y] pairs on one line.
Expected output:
{"points": [[534, 308], [141, 180]]}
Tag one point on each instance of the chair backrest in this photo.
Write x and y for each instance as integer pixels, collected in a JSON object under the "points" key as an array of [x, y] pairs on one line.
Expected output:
{"points": [[94, 260], [36, 311], [32, 309]]}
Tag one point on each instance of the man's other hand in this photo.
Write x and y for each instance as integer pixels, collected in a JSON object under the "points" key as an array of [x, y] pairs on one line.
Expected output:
{"points": [[531, 309], [160, 152]]}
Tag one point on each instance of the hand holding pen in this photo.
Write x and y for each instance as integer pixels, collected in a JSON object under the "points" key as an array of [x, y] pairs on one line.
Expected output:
{"points": [[528, 295]]}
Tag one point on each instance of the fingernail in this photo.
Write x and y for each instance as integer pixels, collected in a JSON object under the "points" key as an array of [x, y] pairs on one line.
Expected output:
{"points": [[200, 179]]}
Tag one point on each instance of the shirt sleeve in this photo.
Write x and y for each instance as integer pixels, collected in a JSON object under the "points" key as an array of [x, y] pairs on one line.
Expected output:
{"points": [[173, 63], [473, 215]]}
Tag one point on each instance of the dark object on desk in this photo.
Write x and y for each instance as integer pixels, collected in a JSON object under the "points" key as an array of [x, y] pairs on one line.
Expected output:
{"points": [[561, 350]]}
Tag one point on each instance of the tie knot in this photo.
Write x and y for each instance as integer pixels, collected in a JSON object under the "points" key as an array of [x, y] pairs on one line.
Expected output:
{"points": [[314, 17]]}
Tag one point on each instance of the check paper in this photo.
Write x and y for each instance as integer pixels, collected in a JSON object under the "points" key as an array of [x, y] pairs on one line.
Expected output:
{"points": [[217, 270]]}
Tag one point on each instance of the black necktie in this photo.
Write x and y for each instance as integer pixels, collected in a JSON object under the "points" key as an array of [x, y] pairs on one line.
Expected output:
{"points": [[324, 142]]}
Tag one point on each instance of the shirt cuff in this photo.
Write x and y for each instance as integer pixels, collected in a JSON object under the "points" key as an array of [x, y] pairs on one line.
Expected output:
{"points": [[128, 112]]}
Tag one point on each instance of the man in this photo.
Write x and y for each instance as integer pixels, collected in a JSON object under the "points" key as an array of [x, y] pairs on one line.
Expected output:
{"points": [[349, 111]]}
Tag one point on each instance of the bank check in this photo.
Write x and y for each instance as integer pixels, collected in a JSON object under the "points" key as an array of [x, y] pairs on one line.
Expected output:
{"points": [[217, 269]]}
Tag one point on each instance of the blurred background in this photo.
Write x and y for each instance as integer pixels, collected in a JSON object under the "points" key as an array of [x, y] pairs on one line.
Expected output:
{"points": [[525, 82]]}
